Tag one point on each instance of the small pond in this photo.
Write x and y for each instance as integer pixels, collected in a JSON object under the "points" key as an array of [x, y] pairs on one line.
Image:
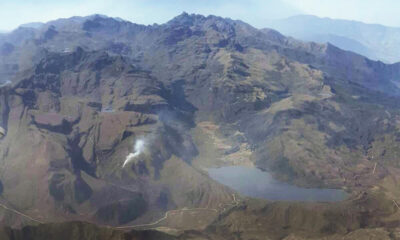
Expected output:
{"points": [[253, 182]]}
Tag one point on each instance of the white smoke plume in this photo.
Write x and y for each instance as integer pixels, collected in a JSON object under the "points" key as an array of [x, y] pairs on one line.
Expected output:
{"points": [[140, 146], [8, 82]]}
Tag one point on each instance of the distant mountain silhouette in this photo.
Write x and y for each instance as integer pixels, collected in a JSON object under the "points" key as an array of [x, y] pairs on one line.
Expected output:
{"points": [[374, 41]]}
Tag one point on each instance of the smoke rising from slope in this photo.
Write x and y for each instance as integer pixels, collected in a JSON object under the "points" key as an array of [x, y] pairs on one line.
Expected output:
{"points": [[140, 146], [5, 83]]}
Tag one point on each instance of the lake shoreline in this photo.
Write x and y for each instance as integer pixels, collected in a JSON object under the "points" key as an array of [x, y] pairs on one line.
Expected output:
{"points": [[256, 183]]}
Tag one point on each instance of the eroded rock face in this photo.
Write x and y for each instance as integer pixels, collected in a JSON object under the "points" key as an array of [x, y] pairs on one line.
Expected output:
{"points": [[75, 148]]}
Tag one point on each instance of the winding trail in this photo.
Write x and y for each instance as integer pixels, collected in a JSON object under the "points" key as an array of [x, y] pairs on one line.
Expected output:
{"points": [[396, 204], [373, 172], [167, 214], [235, 203], [20, 213]]}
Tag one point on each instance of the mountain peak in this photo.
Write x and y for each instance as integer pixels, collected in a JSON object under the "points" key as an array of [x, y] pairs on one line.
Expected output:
{"points": [[35, 25], [185, 19]]}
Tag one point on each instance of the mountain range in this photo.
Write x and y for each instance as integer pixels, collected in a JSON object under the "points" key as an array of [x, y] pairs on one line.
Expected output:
{"points": [[374, 41], [78, 94]]}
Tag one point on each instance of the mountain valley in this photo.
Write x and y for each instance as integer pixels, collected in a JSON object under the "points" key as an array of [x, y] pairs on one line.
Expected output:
{"points": [[197, 92]]}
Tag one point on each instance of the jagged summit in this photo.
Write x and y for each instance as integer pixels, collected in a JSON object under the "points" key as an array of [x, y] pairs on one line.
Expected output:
{"points": [[198, 19], [185, 19]]}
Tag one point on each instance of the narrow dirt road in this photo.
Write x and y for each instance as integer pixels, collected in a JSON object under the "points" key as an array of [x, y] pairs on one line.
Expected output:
{"points": [[19, 213], [235, 203]]}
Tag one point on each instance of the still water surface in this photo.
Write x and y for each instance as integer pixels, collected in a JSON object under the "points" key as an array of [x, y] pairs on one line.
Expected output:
{"points": [[253, 182]]}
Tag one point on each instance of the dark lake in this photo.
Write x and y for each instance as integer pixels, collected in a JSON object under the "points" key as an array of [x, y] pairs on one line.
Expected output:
{"points": [[253, 182]]}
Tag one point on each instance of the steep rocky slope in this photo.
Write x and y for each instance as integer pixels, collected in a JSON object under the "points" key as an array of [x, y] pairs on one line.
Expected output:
{"points": [[85, 91], [76, 116]]}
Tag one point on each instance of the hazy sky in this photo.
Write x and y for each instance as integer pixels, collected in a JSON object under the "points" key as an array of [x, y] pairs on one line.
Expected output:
{"points": [[255, 12]]}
